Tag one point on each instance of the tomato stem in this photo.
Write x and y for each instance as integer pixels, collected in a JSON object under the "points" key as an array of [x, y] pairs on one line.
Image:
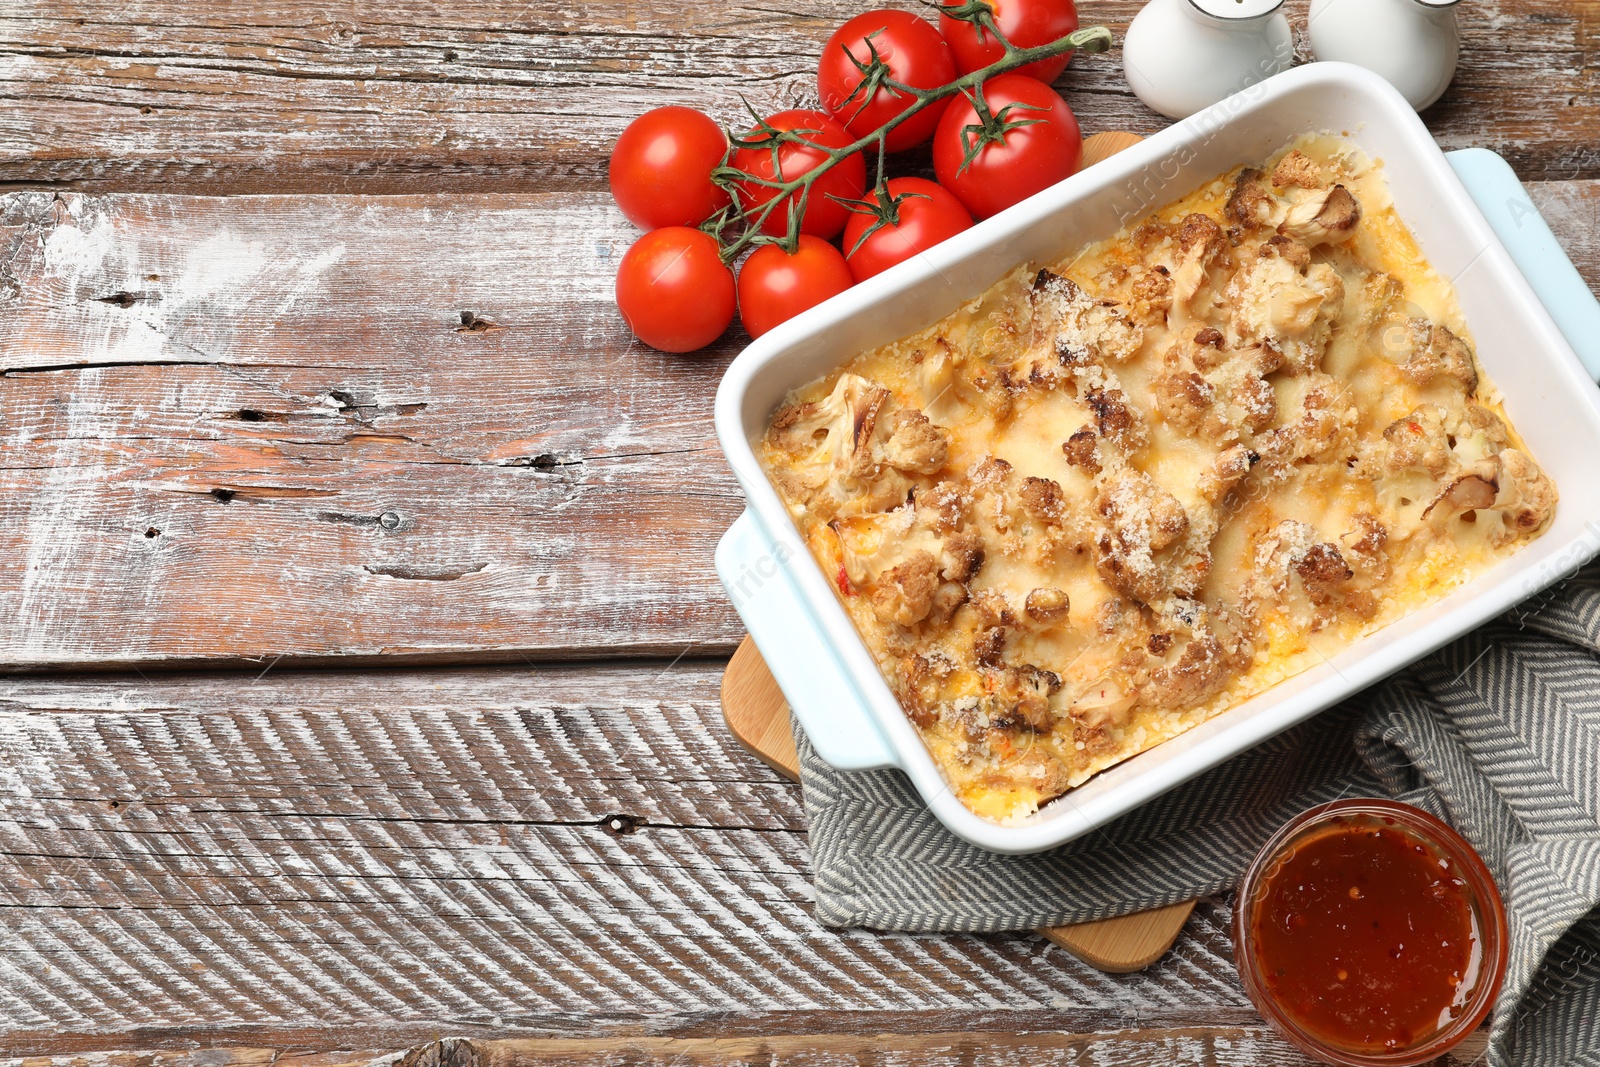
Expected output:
{"points": [[991, 127], [747, 221]]}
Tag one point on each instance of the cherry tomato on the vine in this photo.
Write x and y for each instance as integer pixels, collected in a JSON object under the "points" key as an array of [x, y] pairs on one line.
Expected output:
{"points": [[774, 286], [823, 217], [924, 214], [661, 168], [914, 53], [1028, 141], [1025, 23], [674, 291]]}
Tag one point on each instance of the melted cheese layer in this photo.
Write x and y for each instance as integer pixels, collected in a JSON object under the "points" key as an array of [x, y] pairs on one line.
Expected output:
{"points": [[1111, 499]]}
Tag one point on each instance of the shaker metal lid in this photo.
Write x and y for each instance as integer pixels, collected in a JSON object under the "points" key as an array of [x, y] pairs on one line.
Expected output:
{"points": [[1239, 9]]}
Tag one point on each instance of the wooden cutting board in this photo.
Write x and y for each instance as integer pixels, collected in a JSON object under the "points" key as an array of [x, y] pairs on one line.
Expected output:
{"points": [[759, 717], [1100, 146]]}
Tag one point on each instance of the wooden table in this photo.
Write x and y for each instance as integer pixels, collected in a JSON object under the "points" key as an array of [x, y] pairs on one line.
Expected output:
{"points": [[362, 563]]}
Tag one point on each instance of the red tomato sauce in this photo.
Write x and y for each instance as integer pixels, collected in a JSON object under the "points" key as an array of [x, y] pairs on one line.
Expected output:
{"points": [[1365, 936]]}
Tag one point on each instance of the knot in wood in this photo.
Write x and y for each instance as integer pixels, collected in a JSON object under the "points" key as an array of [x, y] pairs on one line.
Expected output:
{"points": [[620, 825]]}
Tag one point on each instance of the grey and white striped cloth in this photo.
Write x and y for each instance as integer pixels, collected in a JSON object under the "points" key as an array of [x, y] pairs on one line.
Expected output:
{"points": [[1499, 734]]}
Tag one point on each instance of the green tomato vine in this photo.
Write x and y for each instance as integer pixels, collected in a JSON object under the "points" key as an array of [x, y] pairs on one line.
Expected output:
{"points": [[738, 228]]}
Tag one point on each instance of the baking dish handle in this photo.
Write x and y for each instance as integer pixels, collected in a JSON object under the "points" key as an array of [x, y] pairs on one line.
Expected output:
{"points": [[1501, 197], [814, 682]]}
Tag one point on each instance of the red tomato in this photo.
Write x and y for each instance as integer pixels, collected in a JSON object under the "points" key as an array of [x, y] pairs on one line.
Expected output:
{"points": [[674, 291], [915, 54], [1009, 164], [774, 286], [1025, 23], [823, 217], [661, 168], [926, 216]]}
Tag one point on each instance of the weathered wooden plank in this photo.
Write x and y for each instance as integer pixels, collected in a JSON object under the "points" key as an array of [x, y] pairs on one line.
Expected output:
{"points": [[1203, 1047], [237, 429], [288, 95], [566, 853], [73, 1050], [253, 427], [1194, 1046]]}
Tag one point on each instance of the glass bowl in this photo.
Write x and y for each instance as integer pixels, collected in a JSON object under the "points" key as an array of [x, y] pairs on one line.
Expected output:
{"points": [[1487, 910]]}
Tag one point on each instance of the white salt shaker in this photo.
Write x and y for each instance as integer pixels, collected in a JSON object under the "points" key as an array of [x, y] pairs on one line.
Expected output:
{"points": [[1183, 55], [1412, 43]]}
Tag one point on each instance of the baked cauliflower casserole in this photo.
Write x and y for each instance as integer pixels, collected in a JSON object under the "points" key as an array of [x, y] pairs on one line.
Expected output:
{"points": [[1115, 497]]}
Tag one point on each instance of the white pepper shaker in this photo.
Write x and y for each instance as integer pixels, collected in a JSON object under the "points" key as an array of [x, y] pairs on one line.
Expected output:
{"points": [[1414, 44], [1180, 56]]}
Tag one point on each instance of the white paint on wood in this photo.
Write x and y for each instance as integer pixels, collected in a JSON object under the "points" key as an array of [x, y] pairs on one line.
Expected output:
{"points": [[323, 849], [54, 536], [484, 95], [219, 276], [342, 465]]}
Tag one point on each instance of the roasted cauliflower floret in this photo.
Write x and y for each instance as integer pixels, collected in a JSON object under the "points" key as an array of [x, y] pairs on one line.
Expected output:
{"points": [[947, 379], [903, 594], [1227, 471], [1088, 331], [869, 545], [1524, 495], [920, 687], [1281, 300], [1324, 217], [1469, 492], [1019, 697], [1378, 296], [1186, 402], [947, 600], [962, 557], [1325, 415], [1508, 487], [1484, 430], [1254, 403], [1322, 567], [1150, 296], [915, 444], [1048, 776], [834, 430], [1100, 709], [941, 507], [1251, 205], [1296, 168], [1141, 521], [1043, 499], [1291, 560], [1116, 421], [1200, 241], [1419, 441], [1199, 674], [830, 441], [1082, 450], [1428, 352], [1364, 547]]}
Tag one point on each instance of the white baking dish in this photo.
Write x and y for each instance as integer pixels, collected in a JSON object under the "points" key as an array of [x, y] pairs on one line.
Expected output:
{"points": [[825, 671]]}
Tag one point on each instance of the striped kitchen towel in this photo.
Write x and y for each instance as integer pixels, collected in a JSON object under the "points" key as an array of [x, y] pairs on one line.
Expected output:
{"points": [[1499, 734]]}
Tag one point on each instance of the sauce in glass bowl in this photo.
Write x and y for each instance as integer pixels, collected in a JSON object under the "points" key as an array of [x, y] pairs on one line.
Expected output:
{"points": [[1369, 932]]}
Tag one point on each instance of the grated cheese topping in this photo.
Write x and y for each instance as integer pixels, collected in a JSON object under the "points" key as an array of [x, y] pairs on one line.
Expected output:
{"points": [[1114, 497]]}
